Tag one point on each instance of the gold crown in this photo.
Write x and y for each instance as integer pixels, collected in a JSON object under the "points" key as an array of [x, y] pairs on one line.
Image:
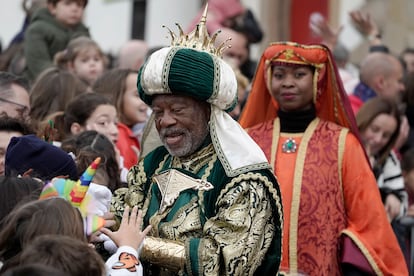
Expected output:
{"points": [[199, 38]]}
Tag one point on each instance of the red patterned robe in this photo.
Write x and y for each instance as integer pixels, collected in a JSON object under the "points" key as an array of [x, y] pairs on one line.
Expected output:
{"points": [[328, 192]]}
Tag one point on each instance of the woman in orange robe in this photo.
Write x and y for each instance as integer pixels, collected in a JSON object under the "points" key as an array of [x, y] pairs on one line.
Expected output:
{"points": [[334, 220]]}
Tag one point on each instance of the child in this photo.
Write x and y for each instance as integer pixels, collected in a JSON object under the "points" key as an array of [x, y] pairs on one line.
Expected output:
{"points": [[119, 86], [65, 253], [51, 92], [84, 58], [16, 190], [34, 270], [74, 256], [23, 224], [56, 216], [50, 31], [90, 111], [30, 155], [88, 145]]}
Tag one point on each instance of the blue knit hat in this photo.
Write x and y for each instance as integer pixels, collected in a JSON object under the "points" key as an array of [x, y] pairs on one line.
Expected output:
{"points": [[46, 160]]}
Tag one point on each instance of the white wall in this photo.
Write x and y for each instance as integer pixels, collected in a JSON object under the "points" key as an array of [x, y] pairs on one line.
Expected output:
{"points": [[167, 12], [11, 20], [109, 22]]}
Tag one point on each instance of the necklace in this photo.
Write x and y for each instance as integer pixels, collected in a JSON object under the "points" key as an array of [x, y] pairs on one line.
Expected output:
{"points": [[289, 146]]}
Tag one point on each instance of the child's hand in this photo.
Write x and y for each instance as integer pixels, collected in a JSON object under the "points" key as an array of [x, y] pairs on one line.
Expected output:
{"points": [[129, 232]]}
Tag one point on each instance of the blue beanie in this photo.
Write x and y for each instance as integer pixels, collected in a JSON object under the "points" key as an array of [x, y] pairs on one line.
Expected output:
{"points": [[47, 161]]}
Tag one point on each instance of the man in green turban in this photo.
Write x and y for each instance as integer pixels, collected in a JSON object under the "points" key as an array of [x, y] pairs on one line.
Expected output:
{"points": [[207, 190]]}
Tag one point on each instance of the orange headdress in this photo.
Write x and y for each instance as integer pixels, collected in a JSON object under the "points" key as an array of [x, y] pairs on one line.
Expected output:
{"points": [[330, 99]]}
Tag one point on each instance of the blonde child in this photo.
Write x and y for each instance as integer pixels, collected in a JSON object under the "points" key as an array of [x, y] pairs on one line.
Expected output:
{"points": [[84, 58]]}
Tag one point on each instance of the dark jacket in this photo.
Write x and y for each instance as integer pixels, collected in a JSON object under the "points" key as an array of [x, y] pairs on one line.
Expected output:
{"points": [[44, 38]]}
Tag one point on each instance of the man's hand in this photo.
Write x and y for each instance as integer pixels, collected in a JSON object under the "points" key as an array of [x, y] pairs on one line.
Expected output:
{"points": [[366, 26]]}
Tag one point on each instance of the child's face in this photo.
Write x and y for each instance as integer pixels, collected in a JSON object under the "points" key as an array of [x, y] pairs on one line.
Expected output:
{"points": [[134, 109], [67, 12], [104, 120], [292, 87], [88, 65]]}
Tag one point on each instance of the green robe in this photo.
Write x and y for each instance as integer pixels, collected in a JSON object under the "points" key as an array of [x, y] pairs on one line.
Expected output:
{"points": [[233, 229]]}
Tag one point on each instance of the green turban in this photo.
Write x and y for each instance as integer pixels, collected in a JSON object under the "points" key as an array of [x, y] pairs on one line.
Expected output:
{"points": [[189, 72]]}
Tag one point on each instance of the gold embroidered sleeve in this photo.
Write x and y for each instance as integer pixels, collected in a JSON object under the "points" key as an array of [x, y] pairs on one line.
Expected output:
{"points": [[166, 253], [133, 195], [237, 238]]}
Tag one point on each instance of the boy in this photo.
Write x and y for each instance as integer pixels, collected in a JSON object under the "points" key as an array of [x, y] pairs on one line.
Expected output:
{"points": [[50, 31]]}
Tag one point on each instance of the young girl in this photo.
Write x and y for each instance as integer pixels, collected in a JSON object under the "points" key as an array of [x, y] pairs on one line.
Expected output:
{"points": [[90, 111], [88, 145], [84, 58], [119, 86]]}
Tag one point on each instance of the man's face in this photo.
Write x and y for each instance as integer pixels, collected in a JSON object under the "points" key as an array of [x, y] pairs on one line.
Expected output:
{"points": [[17, 105], [393, 87], [238, 53], [182, 123], [5, 137]]}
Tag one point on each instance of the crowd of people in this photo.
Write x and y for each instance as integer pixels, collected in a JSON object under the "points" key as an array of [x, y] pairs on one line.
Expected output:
{"points": [[194, 159]]}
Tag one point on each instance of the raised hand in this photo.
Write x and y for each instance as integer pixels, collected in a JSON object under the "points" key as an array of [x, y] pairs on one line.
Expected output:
{"points": [[129, 232]]}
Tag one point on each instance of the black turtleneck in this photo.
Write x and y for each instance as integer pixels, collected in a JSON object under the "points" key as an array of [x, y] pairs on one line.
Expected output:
{"points": [[296, 121]]}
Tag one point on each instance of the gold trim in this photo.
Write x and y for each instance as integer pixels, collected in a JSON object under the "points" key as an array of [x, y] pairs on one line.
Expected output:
{"points": [[297, 186], [341, 150], [206, 174], [154, 230], [166, 69], [225, 163], [275, 142], [364, 251], [168, 254]]}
